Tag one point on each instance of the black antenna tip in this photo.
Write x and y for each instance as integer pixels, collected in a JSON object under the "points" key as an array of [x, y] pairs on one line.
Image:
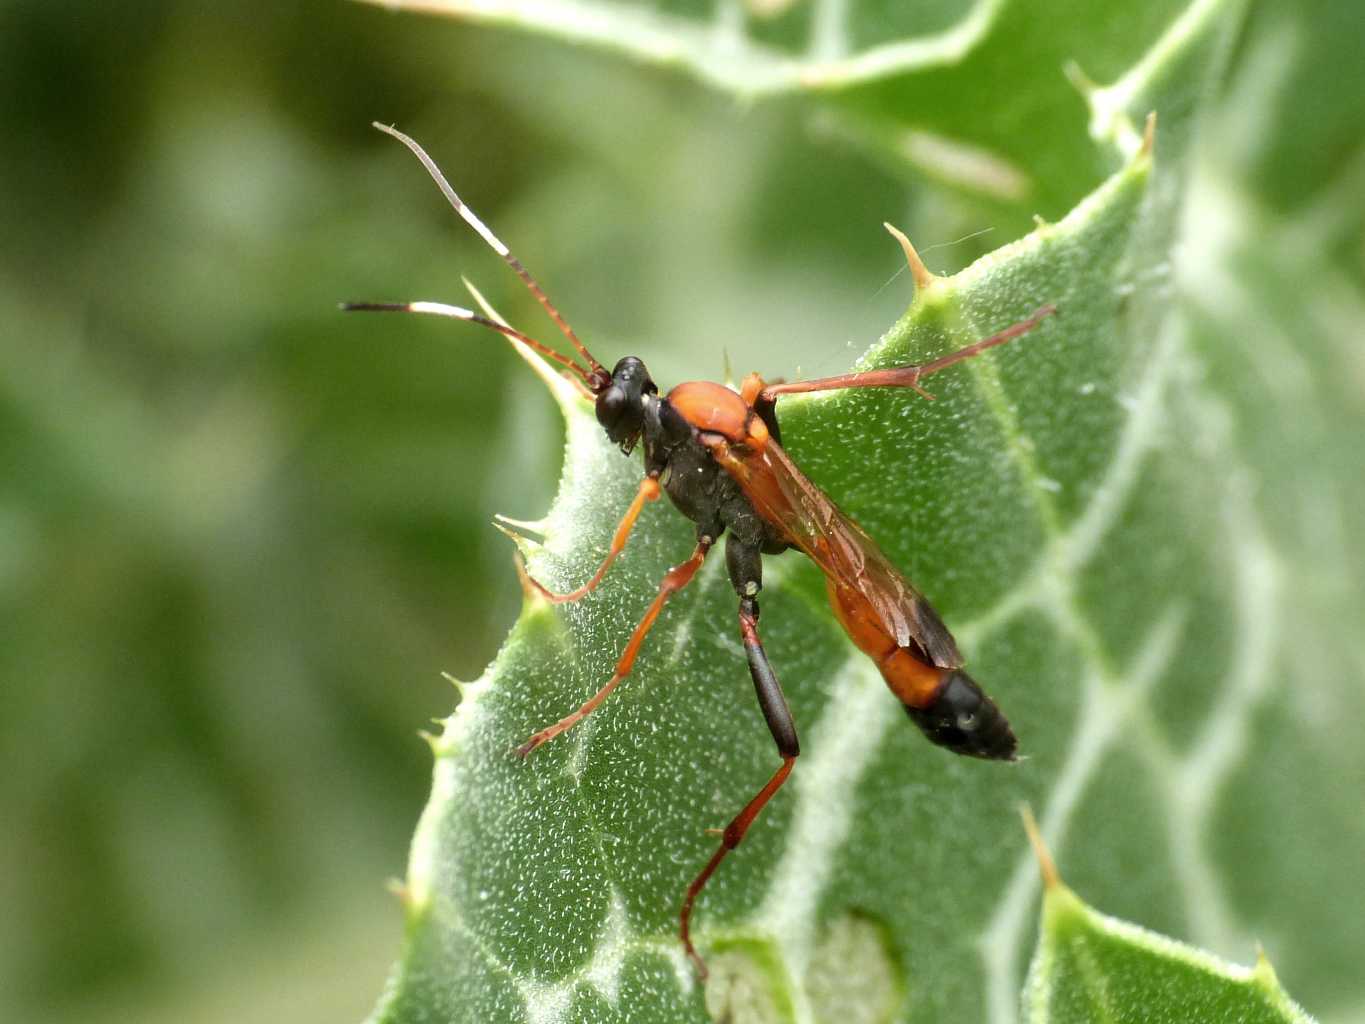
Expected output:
{"points": [[374, 307]]}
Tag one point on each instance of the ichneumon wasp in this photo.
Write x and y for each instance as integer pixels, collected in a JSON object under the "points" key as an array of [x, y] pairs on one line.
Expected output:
{"points": [[717, 454]]}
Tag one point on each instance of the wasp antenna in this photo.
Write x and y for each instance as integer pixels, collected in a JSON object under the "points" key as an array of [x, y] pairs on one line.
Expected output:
{"points": [[596, 370], [469, 316], [576, 379]]}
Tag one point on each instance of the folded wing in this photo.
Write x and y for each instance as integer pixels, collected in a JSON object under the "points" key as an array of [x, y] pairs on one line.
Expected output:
{"points": [[811, 521]]}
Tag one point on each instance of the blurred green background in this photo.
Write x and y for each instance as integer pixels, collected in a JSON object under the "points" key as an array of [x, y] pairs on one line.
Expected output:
{"points": [[241, 534]]}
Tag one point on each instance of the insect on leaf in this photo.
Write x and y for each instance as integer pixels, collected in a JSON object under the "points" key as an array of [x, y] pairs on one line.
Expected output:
{"points": [[1077, 506]]}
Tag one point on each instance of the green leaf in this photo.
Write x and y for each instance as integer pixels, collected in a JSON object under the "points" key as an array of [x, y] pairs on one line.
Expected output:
{"points": [[1086, 509], [972, 95], [1091, 968]]}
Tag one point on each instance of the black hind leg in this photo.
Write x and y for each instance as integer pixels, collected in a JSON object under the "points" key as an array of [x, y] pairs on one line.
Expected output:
{"points": [[745, 565]]}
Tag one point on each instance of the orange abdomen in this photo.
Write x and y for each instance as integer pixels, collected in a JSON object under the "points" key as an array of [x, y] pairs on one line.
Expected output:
{"points": [[915, 682]]}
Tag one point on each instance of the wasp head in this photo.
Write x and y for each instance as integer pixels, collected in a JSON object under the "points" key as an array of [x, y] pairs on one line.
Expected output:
{"points": [[620, 405]]}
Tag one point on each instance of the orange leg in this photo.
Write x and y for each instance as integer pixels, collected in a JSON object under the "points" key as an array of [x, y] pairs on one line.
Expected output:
{"points": [[649, 491], [676, 578], [779, 718], [908, 376], [730, 838]]}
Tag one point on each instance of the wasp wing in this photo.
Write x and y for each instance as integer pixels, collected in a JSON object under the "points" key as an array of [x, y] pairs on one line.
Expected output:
{"points": [[810, 520]]}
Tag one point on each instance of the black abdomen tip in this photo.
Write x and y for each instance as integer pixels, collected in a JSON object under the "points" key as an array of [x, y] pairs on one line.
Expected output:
{"points": [[966, 721]]}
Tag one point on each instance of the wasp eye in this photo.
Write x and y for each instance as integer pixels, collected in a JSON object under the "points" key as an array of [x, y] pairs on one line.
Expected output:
{"points": [[620, 415], [610, 405]]}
